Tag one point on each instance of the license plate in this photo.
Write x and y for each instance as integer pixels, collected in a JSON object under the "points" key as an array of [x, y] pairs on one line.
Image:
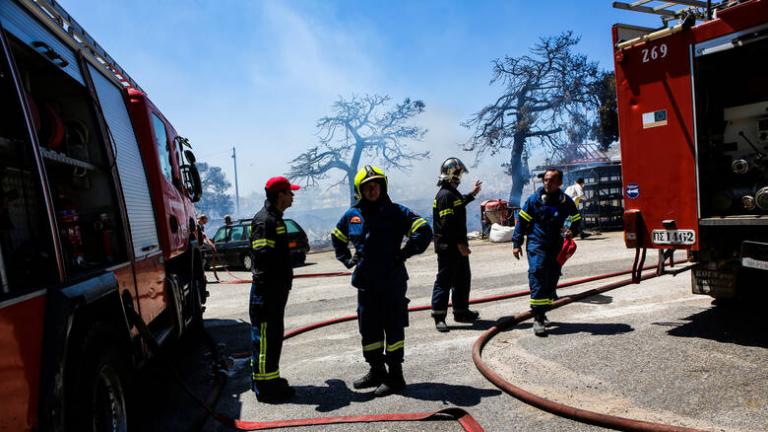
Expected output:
{"points": [[674, 237]]}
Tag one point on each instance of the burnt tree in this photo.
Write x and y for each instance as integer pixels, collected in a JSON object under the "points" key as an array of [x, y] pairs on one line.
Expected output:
{"points": [[361, 127], [544, 92]]}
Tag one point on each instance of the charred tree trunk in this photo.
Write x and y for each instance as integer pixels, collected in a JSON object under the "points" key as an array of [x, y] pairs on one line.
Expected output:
{"points": [[516, 169]]}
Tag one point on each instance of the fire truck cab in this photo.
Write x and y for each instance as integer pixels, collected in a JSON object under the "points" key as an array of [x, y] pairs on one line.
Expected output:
{"points": [[693, 126], [97, 226]]}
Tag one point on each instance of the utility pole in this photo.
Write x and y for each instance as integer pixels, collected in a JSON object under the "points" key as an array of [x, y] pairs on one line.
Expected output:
{"points": [[237, 189]]}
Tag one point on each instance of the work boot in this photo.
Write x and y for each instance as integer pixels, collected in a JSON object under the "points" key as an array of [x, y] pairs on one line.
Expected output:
{"points": [[545, 320], [373, 378], [465, 316], [394, 382], [274, 391], [440, 325], [538, 326]]}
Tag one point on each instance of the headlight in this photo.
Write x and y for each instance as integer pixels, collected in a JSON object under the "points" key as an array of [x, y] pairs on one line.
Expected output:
{"points": [[761, 198]]}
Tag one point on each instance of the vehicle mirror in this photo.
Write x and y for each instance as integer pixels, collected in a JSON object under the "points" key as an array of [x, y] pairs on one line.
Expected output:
{"points": [[190, 157], [191, 178]]}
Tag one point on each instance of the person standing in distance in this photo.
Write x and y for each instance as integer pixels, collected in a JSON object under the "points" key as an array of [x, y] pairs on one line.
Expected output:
{"points": [[449, 221], [376, 227], [576, 192], [272, 280], [544, 218]]}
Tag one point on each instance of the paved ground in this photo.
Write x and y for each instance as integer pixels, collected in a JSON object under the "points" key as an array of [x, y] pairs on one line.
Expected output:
{"points": [[651, 351]]}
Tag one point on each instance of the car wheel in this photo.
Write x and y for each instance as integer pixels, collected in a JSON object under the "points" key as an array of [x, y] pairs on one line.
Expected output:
{"points": [[247, 263]]}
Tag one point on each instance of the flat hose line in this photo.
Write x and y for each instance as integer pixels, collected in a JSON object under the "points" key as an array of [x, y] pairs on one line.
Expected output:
{"points": [[467, 422], [559, 409]]}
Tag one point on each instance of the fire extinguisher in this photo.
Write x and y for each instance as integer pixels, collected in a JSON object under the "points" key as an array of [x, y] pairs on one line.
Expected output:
{"points": [[69, 225]]}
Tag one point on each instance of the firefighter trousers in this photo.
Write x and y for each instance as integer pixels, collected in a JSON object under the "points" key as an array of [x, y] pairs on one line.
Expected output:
{"points": [[382, 316], [453, 280], [267, 312], [543, 275]]}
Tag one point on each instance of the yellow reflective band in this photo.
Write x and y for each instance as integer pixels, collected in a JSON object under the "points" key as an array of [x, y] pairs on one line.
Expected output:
{"points": [[541, 302], [374, 346], [458, 202], [415, 225], [575, 217], [339, 235], [434, 203], [259, 243], [263, 348], [280, 230], [446, 212], [266, 376], [523, 214], [395, 346]]}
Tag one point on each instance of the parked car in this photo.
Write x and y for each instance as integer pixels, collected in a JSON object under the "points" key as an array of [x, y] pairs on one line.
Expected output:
{"points": [[233, 245]]}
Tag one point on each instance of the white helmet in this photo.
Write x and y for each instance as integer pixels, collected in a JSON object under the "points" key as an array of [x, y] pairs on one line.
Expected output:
{"points": [[452, 168]]}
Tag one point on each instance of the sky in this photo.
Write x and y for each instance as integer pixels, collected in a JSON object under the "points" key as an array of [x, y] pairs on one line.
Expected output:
{"points": [[256, 75]]}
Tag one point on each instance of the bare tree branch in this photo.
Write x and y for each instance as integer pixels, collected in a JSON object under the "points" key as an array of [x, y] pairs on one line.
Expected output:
{"points": [[369, 130]]}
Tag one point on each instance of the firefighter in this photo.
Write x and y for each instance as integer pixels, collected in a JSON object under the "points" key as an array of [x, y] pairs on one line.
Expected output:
{"points": [[547, 216], [376, 227], [449, 219], [272, 280]]}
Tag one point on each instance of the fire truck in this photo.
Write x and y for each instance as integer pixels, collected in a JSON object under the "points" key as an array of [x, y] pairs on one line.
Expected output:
{"points": [[693, 125], [97, 226]]}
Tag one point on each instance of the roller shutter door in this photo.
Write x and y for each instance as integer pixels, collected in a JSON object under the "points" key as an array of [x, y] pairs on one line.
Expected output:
{"points": [[138, 202]]}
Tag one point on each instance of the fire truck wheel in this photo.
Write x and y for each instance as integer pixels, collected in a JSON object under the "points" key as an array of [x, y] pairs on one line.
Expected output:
{"points": [[247, 263], [101, 402]]}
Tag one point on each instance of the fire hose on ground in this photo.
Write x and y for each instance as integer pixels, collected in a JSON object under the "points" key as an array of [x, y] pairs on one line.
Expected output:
{"points": [[468, 423]]}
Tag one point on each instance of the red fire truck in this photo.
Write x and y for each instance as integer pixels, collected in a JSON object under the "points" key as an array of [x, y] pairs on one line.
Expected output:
{"points": [[693, 123], [97, 226]]}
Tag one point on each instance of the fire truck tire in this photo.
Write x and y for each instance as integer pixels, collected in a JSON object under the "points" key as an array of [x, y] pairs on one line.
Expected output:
{"points": [[247, 262], [101, 402]]}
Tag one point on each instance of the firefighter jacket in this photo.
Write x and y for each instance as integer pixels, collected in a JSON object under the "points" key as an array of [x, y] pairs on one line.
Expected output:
{"points": [[542, 219], [449, 217], [376, 230], [272, 267]]}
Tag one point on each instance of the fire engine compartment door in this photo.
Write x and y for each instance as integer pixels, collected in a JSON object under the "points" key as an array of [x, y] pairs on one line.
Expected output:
{"points": [[20, 23], [141, 216], [656, 125]]}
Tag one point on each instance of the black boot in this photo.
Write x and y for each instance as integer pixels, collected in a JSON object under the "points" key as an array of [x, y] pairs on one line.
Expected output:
{"points": [[538, 324], [465, 316], [373, 378], [440, 324], [394, 383], [275, 391]]}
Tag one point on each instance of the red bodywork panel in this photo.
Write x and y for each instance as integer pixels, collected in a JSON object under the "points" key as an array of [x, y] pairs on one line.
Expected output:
{"points": [[656, 122], [21, 336], [168, 199]]}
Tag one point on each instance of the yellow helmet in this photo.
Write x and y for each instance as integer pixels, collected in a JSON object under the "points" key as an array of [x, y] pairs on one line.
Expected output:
{"points": [[366, 174]]}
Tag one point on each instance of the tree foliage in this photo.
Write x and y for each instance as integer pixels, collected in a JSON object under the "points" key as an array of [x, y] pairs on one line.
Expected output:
{"points": [[215, 201], [548, 95], [361, 127]]}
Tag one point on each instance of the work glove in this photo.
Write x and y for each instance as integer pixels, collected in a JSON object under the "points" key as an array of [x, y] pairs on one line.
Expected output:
{"points": [[351, 262]]}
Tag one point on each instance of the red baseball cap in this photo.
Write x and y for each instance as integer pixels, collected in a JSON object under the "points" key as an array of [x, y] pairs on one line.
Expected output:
{"points": [[280, 183]]}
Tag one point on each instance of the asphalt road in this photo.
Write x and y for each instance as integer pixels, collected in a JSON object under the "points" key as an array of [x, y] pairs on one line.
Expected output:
{"points": [[651, 351]]}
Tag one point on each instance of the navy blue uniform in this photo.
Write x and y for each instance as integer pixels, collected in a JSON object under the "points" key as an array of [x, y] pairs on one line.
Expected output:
{"points": [[449, 219], [542, 218], [376, 230], [272, 280]]}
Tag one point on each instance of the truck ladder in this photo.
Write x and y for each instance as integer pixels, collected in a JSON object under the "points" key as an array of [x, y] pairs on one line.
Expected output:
{"points": [[670, 10], [74, 34]]}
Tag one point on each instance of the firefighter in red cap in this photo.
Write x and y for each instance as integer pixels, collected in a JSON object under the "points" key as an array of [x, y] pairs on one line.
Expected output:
{"points": [[547, 216], [449, 220], [272, 279], [376, 227]]}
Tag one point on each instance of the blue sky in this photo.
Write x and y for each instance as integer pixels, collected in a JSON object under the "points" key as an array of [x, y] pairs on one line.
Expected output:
{"points": [[258, 74]]}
